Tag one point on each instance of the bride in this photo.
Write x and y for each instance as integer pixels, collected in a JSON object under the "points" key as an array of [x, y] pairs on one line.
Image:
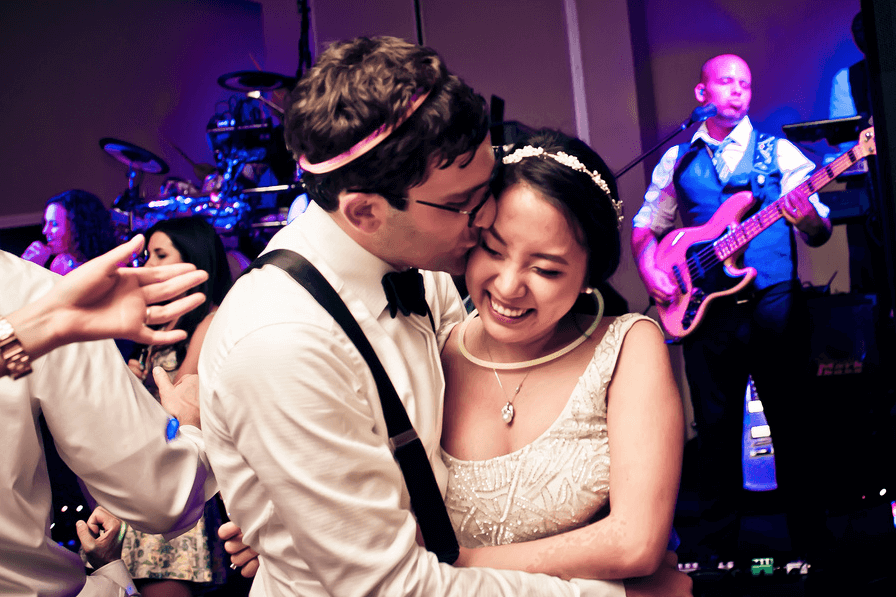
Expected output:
{"points": [[563, 430]]}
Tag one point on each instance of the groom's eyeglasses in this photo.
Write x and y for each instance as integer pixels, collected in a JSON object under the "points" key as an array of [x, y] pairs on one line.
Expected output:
{"points": [[470, 213]]}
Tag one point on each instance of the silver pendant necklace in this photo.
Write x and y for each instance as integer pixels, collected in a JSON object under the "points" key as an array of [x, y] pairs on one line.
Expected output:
{"points": [[507, 411]]}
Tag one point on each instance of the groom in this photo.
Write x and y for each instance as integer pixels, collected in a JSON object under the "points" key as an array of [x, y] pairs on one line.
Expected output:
{"points": [[397, 159]]}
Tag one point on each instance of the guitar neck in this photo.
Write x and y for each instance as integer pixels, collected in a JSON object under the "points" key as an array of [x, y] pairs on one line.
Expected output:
{"points": [[740, 235]]}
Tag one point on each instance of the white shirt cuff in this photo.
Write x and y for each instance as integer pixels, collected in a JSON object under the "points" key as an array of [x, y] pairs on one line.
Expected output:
{"points": [[113, 579], [599, 588]]}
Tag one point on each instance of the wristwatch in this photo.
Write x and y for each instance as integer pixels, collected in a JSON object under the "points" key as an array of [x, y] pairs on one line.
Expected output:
{"points": [[17, 360]]}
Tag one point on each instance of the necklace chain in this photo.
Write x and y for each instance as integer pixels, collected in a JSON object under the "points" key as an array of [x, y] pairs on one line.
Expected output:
{"points": [[508, 411]]}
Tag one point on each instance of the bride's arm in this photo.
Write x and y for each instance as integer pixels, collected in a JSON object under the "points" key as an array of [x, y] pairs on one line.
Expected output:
{"points": [[646, 435]]}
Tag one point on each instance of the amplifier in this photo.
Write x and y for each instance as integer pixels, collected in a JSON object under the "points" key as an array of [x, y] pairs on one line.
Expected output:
{"points": [[846, 204], [843, 334]]}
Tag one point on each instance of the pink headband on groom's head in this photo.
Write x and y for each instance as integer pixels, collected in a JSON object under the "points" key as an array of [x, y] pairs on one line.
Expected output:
{"points": [[365, 144]]}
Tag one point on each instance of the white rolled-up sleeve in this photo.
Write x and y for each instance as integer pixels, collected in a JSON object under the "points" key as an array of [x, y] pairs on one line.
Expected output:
{"points": [[660, 207]]}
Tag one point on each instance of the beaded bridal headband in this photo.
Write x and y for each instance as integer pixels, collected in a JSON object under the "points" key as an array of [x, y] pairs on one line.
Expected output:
{"points": [[570, 161]]}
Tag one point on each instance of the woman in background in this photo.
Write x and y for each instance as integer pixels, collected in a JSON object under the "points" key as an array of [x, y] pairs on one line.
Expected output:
{"points": [[185, 240], [77, 227], [194, 560]]}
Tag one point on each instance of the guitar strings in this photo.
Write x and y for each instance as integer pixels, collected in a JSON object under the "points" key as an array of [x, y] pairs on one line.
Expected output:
{"points": [[699, 258], [823, 175]]}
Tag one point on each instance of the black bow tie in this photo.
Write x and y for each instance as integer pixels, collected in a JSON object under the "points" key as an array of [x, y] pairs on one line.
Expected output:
{"points": [[405, 293]]}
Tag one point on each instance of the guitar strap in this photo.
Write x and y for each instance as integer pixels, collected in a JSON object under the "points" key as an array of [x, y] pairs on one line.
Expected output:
{"points": [[407, 449], [765, 161]]}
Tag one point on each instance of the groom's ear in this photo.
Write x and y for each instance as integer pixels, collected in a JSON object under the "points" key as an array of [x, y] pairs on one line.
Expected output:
{"points": [[366, 212]]}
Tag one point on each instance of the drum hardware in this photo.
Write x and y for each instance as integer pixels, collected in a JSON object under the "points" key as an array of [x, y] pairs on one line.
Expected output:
{"points": [[200, 170], [257, 96], [245, 144], [269, 220], [245, 123], [275, 188], [134, 157], [251, 80], [138, 161], [275, 223], [226, 214], [254, 83]]}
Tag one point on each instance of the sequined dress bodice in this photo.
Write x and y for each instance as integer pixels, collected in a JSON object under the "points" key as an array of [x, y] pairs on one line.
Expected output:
{"points": [[558, 482]]}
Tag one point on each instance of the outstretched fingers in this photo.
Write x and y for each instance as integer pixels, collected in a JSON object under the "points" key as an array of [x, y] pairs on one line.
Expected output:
{"points": [[166, 314], [166, 281]]}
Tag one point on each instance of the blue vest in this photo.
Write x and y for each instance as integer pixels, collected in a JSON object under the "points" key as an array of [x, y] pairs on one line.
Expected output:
{"points": [[700, 194]]}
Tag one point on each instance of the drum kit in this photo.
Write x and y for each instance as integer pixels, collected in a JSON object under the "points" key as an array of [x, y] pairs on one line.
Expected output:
{"points": [[246, 145]]}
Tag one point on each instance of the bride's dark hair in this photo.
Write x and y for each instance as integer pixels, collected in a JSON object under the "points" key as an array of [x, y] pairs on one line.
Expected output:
{"points": [[589, 210]]}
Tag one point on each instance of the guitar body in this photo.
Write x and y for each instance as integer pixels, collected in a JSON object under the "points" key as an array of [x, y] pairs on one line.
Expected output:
{"points": [[683, 255], [702, 261]]}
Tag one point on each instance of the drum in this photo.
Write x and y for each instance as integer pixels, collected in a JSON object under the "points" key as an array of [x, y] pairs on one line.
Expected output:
{"points": [[225, 215]]}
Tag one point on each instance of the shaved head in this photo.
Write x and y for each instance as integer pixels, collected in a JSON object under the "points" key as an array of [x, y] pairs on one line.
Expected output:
{"points": [[718, 63]]}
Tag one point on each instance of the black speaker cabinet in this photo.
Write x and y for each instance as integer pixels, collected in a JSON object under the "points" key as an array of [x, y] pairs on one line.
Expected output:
{"points": [[853, 388], [879, 23]]}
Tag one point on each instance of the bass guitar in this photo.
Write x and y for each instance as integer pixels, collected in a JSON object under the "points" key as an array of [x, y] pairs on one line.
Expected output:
{"points": [[704, 261]]}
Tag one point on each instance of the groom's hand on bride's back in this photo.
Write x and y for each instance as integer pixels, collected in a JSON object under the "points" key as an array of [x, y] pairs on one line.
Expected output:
{"points": [[667, 581], [241, 555]]}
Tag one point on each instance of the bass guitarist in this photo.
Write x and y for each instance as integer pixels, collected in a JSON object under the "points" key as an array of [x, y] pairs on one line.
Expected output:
{"points": [[760, 330]]}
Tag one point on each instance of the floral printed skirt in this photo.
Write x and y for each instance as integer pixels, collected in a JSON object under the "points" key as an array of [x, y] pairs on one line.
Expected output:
{"points": [[186, 557]]}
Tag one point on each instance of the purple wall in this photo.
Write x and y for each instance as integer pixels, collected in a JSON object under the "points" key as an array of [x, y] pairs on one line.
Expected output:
{"points": [[141, 71], [793, 48], [146, 71]]}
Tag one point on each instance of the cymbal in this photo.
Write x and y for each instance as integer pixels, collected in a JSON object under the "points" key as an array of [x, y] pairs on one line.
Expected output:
{"points": [[133, 156], [254, 80]]}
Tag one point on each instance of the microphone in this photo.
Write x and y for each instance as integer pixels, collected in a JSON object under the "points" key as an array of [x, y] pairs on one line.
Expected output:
{"points": [[701, 113]]}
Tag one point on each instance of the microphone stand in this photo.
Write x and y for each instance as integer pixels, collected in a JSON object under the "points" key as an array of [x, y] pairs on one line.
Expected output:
{"points": [[699, 114]]}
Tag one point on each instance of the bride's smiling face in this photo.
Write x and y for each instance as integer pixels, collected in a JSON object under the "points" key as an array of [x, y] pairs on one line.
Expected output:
{"points": [[528, 270]]}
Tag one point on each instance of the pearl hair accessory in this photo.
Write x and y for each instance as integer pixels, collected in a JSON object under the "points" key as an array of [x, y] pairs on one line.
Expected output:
{"points": [[570, 161]]}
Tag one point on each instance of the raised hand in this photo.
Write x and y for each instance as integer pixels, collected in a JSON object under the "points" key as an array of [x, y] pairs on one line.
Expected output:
{"points": [[105, 299], [37, 252]]}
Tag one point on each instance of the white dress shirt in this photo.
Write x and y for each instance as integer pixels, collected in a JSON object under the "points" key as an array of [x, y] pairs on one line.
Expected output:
{"points": [[111, 433], [842, 105], [660, 205], [296, 434]]}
